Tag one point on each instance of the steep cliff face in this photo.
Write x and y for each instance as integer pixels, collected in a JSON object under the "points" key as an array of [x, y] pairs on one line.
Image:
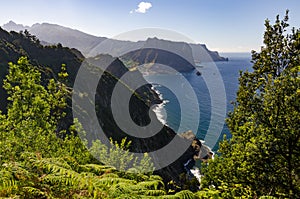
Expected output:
{"points": [[153, 60], [140, 103], [202, 54]]}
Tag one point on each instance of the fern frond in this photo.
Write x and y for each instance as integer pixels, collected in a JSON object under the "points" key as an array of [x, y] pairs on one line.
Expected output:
{"points": [[169, 197], [153, 185], [186, 194], [96, 169], [129, 196], [7, 186], [53, 179], [31, 192], [52, 164], [109, 175], [112, 181], [155, 177], [134, 176], [120, 189], [155, 192]]}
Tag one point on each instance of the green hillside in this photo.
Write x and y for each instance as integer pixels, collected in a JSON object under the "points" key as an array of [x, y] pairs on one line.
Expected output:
{"points": [[42, 155]]}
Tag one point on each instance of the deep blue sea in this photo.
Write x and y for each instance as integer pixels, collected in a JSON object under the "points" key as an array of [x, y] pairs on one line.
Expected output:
{"points": [[200, 111]]}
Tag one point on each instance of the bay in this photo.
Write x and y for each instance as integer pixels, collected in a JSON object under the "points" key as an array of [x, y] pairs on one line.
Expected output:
{"points": [[198, 111]]}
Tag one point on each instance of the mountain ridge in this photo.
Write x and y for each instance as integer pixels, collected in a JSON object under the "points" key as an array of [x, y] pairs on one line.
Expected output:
{"points": [[90, 45]]}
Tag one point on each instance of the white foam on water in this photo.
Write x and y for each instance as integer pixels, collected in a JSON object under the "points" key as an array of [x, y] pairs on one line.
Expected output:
{"points": [[196, 172], [159, 109], [160, 112]]}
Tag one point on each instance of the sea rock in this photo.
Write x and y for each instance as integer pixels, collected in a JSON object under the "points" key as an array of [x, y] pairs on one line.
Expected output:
{"points": [[205, 152]]}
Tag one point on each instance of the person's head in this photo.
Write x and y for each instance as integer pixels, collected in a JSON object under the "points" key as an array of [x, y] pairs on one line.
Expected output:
{"points": [[196, 144]]}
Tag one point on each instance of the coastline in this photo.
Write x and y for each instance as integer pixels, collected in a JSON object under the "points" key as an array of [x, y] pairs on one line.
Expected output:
{"points": [[159, 109]]}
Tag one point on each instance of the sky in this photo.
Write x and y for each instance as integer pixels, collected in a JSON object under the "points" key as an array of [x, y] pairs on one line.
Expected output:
{"points": [[223, 25]]}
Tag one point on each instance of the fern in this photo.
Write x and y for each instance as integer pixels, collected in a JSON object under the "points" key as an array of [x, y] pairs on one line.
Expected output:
{"points": [[53, 179], [155, 177], [132, 175], [128, 196], [186, 194], [120, 189], [39, 177], [33, 192], [96, 169], [155, 192], [113, 181], [109, 175], [168, 197], [12, 176], [7, 186], [153, 185]]}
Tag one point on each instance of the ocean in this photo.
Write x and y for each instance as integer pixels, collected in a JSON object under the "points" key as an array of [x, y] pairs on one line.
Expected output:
{"points": [[191, 100]]}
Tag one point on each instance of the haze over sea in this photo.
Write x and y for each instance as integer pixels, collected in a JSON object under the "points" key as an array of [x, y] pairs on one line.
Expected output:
{"points": [[172, 112]]}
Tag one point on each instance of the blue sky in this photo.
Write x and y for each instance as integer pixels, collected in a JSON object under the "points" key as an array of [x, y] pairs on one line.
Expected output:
{"points": [[224, 25]]}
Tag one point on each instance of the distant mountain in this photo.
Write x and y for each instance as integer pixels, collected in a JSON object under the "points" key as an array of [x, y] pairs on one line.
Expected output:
{"points": [[55, 34], [91, 45], [15, 27]]}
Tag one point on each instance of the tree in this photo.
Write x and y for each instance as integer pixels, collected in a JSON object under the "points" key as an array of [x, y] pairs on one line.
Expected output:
{"points": [[263, 154], [33, 114]]}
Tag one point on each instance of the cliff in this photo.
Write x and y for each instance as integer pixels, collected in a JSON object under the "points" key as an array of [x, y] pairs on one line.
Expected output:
{"points": [[202, 54], [141, 101]]}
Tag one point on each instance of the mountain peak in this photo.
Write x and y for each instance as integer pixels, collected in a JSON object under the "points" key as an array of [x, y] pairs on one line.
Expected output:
{"points": [[11, 25], [89, 44]]}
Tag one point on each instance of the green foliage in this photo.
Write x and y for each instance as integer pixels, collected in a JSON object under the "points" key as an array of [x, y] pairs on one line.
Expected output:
{"points": [[188, 183], [56, 178], [224, 191], [186, 194], [119, 156], [209, 194], [263, 158], [40, 161], [33, 114]]}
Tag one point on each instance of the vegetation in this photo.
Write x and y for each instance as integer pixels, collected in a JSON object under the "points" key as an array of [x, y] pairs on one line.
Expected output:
{"points": [[34, 111], [263, 156], [39, 158], [118, 156], [63, 177], [37, 163]]}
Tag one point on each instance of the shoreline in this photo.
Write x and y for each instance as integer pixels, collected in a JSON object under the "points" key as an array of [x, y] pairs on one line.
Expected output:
{"points": [[159, 109]]}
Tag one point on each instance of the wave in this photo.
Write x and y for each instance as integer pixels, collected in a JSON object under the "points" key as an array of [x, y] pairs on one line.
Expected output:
{"points": [[159, 109]]}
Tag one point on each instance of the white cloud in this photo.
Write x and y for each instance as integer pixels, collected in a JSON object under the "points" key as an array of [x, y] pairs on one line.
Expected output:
{"points": [[142, 7]]}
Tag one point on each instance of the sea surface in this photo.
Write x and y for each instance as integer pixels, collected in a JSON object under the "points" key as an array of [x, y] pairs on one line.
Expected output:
{"points": [[189, 102]]}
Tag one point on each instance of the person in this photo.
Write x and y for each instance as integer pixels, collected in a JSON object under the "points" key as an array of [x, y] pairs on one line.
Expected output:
{"points": [[196, 145], [188, 166]]}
